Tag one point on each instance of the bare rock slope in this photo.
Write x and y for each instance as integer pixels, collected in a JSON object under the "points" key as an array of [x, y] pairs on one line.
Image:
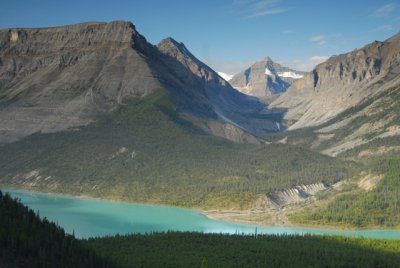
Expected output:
{"points": [[59, 78], [350, 103], [341, 82]]}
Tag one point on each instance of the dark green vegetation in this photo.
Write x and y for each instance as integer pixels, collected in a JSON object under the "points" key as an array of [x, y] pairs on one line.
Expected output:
{"points": [[218, 250], [377, 208], [145, 151], [28, 241]]}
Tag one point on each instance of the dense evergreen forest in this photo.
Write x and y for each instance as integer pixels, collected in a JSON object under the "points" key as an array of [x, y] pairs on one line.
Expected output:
{"points": [[176, 249], [377, 208], [28, 241], [146, 152]]}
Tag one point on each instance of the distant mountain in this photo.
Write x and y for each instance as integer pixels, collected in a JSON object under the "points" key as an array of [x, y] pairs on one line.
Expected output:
{"points": [[225, 76], [351, 101], [265, 79]]}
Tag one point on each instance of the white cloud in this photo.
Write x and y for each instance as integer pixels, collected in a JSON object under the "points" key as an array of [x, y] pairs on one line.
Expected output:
{"points": [[319, 39], [268, 12], [384, 10], [259, 8], [305, 65]]}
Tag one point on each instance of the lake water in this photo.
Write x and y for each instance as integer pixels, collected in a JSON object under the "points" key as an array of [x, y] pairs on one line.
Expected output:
{"points": [[91, 217]]}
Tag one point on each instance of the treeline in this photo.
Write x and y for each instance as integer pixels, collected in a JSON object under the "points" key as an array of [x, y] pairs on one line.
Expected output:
{"points": [[28, 241], [164, 160], [176, 249], [377, 208]]}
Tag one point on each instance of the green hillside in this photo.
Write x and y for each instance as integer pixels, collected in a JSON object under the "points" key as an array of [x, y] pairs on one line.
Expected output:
{"points": [[145, 151]]}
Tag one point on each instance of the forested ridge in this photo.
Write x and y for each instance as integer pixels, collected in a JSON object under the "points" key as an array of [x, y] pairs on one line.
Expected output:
{"points": [[379, 208], [26, 240], [146, 152]]}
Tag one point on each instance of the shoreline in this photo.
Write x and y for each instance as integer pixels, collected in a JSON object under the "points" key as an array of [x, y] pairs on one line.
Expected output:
{"points": [[261, 218]]}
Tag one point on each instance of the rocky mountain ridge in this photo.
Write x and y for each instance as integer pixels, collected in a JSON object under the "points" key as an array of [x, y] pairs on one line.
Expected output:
{"points": [[59, 78], [265, 79], [348, 105], [339, 83]]}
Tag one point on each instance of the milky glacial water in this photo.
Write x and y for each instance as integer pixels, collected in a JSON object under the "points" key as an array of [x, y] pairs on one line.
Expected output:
{"points": [[93, 217]]}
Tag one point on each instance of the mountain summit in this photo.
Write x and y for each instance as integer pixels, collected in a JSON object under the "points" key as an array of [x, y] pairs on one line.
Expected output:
{"points": [[265, 79]]}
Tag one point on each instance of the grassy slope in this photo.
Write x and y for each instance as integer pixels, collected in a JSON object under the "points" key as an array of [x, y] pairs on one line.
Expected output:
{"points": [[167, 161]]}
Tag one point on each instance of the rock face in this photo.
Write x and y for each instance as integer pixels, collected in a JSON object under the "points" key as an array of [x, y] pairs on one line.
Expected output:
{"points": [[297, 194], [341, 82], [53, 79], [265, 79], [58, 78]]}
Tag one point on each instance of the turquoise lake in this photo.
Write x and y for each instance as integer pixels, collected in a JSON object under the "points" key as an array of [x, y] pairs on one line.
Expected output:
{"points": [[92, 217]]}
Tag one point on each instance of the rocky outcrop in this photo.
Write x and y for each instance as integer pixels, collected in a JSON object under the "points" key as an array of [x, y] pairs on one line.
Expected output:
{"points": [[265, 79], [340, 83], [298, 194]]}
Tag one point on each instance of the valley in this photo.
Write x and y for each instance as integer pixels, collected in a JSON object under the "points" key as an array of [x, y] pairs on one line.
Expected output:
{"points": [[185, 137]]}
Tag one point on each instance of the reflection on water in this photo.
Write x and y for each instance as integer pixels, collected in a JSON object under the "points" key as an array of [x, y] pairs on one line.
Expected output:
{"points": [[89, 217]]}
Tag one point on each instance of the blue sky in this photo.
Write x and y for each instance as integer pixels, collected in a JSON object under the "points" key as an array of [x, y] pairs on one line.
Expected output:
{"points": [[230, 35]]}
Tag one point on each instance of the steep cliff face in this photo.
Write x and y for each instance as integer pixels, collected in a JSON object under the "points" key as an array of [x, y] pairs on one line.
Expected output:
{"points": [[58, 78], [340, 83], [265, 79]]}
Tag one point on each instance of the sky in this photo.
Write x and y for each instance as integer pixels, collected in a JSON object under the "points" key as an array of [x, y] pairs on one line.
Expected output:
{"points": [[230, 35]]}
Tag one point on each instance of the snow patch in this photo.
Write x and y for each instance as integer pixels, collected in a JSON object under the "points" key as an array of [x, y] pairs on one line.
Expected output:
{"points": [[225, 76], [278, 126], [290, 75], [267, 71]]}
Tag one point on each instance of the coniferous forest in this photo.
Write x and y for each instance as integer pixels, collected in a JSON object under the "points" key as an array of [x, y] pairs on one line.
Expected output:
{"points": [[26, 240]]}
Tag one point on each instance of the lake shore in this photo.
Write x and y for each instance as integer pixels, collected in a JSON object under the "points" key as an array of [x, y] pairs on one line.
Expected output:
{"points": [[265, 217]]}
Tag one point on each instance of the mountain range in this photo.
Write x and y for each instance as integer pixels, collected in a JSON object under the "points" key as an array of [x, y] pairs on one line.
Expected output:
{"points": [[94, 109]]}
